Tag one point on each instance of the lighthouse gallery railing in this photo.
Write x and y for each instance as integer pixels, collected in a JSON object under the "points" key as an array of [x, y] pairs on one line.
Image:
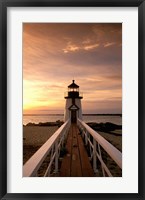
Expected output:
{"points": [[95, 146], [51, 148]]}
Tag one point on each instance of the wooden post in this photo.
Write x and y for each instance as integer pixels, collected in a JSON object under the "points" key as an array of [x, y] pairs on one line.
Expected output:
{"points": [[94, 156], [103, 171], [86, 137], [56, 157]]}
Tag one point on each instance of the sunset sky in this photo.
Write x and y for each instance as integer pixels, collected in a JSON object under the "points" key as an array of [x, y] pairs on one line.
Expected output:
{"points": [[56, 53]]}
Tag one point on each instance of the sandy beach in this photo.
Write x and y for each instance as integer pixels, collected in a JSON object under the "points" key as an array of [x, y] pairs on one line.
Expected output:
{"points": [[115, 140], [37, 135], [34, 137]]}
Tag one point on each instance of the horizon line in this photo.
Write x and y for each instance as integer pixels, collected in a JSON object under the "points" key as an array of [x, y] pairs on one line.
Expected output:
{"points": [[63, 114]]}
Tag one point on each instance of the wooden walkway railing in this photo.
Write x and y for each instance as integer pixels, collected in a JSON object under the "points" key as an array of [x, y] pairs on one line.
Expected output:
{"points": [[50, 149], [77, 162], [97, 144]]}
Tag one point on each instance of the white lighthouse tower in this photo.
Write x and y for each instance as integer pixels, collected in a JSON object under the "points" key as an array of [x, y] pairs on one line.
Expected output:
{"points": [[73, 108]]}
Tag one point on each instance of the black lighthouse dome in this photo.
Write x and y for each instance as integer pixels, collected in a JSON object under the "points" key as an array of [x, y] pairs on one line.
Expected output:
{"points": [[73, 85], [73, 91]]}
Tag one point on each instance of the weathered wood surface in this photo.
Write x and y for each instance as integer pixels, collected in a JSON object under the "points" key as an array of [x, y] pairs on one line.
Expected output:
{"points": [[76, 162]]}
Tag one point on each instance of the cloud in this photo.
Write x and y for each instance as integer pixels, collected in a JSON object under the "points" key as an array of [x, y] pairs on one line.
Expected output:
{"points": [[100, 106], [107, 32], [91, 46], [73, 47], [56, 53], [108, 44]]}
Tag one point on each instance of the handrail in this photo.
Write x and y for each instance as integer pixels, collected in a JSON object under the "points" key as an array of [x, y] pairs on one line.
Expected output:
{"points": [[33, 164], [114, 153]]}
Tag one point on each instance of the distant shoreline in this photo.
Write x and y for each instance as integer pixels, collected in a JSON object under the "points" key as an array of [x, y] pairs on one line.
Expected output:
{"points": [[103, 127], [83, 114]]}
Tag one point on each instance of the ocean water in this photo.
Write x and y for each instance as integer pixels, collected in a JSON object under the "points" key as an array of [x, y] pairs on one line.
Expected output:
{"points": [[87, 118]]}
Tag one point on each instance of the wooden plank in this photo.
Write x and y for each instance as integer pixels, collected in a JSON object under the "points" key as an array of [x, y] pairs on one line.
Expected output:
{"points": [[87, 170], [76, 170], [66, 162], [77, 164]]}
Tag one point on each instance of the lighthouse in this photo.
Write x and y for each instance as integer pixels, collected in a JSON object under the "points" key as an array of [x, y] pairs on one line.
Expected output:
{"points": [[73, 108]]}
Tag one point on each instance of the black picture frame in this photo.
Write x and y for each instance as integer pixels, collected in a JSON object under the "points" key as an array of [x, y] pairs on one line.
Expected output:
{"points": [[4, 4]]}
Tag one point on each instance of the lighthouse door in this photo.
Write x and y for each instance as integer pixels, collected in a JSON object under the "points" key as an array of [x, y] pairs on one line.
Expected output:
{"points": [[73, 116]]}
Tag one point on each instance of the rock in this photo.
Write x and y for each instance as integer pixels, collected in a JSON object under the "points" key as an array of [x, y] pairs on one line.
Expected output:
{"points": [[104, 127], [57, 123]]}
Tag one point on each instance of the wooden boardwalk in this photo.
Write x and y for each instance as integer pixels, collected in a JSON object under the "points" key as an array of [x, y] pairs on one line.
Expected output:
{"points": [[76, 162]]}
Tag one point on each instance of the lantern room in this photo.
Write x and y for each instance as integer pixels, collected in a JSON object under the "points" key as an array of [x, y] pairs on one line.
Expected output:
{"points": [[73, 91]]}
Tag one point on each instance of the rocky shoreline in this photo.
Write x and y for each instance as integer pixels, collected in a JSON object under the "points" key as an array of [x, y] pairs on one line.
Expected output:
{"points": [[106, 127], [57, 123]]}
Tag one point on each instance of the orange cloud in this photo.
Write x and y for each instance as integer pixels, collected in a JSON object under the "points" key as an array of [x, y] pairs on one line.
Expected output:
{"points": [[55, 53], [108, 44], [89, 47]]}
